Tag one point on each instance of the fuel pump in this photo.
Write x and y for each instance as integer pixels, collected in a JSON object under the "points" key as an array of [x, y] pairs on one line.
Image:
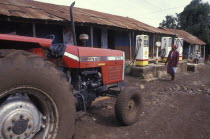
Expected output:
{"points": [[179, 43], [142, 47], [165, 48]]}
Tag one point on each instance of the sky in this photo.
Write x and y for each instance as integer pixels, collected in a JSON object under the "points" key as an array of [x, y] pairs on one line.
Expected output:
{"points": [[151, 12]]}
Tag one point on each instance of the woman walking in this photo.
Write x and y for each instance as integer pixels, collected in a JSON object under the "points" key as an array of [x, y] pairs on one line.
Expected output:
{"points": [[172, 60]]}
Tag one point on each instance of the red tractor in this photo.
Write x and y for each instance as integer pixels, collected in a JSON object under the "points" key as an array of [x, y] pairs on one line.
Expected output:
{"points": [[42, 86]]}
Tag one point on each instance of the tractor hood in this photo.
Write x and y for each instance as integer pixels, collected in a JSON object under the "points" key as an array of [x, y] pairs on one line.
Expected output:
{"points": [[84, 57], [111, 62], [21, 41], [98, 54]]}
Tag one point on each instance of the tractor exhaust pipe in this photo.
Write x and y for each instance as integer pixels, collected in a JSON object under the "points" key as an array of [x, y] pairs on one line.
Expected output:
{"points": [[72, 23]]}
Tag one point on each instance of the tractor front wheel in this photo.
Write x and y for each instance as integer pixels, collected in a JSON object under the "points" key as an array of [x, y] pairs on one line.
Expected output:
{"points": [[128, 107]]}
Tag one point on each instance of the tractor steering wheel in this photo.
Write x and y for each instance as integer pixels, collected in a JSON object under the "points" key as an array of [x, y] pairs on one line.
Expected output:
{"points": [[51, 36]]}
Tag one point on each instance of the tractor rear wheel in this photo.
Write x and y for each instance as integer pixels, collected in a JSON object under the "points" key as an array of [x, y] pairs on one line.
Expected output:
{"points": [[128, 107], [36, 101]]}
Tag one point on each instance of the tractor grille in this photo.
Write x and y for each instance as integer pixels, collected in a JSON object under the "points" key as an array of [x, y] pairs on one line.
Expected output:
{"points": [[115, 73]]}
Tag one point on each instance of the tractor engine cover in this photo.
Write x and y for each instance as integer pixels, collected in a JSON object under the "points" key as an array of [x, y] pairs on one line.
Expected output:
{"points": [[111, 62]]}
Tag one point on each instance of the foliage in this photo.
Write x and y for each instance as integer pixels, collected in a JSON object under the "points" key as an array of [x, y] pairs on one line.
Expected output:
{"points": [[171, 22], [195, 19]]}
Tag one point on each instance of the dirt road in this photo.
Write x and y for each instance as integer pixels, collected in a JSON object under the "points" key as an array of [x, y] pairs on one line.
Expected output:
{"points": [[172, 110]]}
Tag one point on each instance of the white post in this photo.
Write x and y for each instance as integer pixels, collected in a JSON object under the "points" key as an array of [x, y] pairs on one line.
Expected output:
{"points": [[156, 55]]}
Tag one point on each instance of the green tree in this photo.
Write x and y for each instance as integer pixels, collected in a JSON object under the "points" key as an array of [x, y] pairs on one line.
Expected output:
{"points": [[171, 21], [195, 19]]}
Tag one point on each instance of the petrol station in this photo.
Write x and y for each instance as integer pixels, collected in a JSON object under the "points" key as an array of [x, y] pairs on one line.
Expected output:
{"points": [[146, 69], [142, 49]]}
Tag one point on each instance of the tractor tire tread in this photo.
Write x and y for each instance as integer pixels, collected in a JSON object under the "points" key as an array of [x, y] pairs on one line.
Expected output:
{"points": [[120, 106], [12, 58]]}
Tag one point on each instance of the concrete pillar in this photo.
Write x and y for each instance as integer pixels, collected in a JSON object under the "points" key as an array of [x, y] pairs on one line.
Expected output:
{"points": [[189, 51], [153, 45], [34, 30], [133, 44], [130, 44], [200, 49], [104, 38], [204, 55], [91, 36]]}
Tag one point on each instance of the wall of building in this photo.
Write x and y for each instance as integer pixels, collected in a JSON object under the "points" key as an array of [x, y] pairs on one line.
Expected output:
{"points": [[82, 30], [22, 29], [97, 37], [67, 35], [45, 30], [122, 42], [102, 37], [26, 29]]}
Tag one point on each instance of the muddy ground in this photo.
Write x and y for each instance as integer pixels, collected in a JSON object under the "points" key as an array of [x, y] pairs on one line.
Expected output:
{"points": [[172, 110]]}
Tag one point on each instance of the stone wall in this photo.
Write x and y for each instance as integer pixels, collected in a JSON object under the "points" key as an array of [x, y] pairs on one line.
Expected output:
{"points": [[155, 71]]}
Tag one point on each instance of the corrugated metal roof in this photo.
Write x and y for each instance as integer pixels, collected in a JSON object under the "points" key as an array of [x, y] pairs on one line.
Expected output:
{"points": [[185, 35], [45, 11]]}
